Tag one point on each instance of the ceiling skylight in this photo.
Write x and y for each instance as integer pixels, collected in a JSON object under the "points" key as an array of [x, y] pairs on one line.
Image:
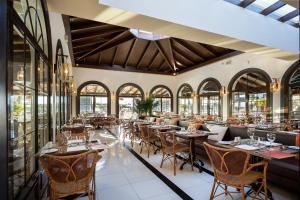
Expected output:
{"points": [[275, 9], [146, 35]]}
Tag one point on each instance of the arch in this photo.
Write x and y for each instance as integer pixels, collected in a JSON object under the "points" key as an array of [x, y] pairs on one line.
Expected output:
{"points": [[120, 89], [268, 79], [96, 83], [284, 90], [178, 91], [168, 89], [219, 86]]}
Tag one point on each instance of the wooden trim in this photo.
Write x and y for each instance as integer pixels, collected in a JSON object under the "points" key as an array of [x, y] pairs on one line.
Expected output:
{"points": [[169, 90], [119, 90], [177, 96], [97, 83], [163, 54], [250, 70]]}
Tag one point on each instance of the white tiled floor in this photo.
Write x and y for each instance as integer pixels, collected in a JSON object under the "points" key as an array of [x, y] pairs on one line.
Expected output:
{"points": [[122, 176]]}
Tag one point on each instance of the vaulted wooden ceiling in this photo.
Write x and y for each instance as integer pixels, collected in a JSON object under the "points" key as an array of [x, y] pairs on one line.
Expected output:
{"points": [[104, 46]]}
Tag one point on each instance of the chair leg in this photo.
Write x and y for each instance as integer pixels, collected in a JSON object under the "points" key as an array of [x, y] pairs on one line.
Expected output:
{"points": [[192, 161], [226, 191], [243, 193], [174, 165], [212, 190], [265, 189], [148, 149], [162, 160], [141, 148]]}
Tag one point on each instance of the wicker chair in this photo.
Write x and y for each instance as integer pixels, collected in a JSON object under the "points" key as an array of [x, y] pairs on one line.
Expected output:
{"points": [[232, 168], [71, 174], [148, 138], [171, 146]]}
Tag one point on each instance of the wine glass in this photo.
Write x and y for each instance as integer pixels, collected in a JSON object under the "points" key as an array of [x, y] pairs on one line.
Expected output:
{"points": [[271, 138], [250, 133], [67, 134]]}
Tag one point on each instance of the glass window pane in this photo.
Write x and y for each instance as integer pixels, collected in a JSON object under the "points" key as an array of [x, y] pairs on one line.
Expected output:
{"points": [[282, 11], [101, 105], [86, 104], [166, 104]]}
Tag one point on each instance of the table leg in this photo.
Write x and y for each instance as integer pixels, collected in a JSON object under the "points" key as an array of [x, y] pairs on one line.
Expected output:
{"points": [[196, 163]]}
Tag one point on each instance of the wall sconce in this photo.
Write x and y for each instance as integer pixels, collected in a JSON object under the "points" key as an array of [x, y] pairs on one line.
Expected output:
{"points": [[223, 91], [194, 95], [113, 95], [274, 86], [63, 71]]}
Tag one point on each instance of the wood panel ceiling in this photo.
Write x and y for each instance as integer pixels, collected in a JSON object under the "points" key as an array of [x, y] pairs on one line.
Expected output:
{"points": [[104, 46]]}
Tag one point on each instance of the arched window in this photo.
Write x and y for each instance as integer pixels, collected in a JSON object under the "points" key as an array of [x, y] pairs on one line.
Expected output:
{"points": [[185, 99], [290, 94], [163, 95], [62, 105], [93, 97], [249, 94], [127, 95], [28, 84], [209, 97]]}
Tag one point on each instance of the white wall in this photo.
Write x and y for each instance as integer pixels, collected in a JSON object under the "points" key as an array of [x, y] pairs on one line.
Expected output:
{"points": [[223, 71], [57, 32], [114, 79]]}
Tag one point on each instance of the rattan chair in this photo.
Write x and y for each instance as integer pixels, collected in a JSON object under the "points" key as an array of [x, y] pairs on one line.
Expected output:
{"points": [[232, 168], [148, 138], [71, 174], [170, 146]]}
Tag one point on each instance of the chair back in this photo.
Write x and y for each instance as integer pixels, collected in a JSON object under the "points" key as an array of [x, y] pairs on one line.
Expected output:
{"points": [[61, 139], [144, 131], [227, 161], [70, 168], [167, 138]]}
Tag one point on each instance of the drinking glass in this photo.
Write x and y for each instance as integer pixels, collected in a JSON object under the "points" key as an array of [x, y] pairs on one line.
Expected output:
{"points": [[271, 138], [67, 134], [250, 133]]}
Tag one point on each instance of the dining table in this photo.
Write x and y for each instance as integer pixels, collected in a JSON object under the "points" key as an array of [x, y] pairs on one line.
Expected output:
{"points": [[193, 136], [263, 150], [74, 146]]}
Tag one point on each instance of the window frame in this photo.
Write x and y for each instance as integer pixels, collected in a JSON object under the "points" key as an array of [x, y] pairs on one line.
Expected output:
{"points": [[179, 97], [160, 98]]}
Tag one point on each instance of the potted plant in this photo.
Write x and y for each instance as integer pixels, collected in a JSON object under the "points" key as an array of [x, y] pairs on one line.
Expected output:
{"points": [[144, 107]]}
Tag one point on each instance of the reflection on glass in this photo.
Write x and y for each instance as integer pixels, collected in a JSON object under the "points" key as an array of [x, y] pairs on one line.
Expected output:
{"points": [[126, 105]]}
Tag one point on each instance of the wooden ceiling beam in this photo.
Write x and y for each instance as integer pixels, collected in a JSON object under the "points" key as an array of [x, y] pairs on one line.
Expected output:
{"points": [[119, 39], [120, 68], [172, 56], [88, 29], [246, 3], [153, 59], [99, 58], [103, 34], [129, 53], [272, 8], [164, 55], [188, 48], [89, 44], [184, 54], [201, 64], [181, 57], [142, 55], [289, 16], [114, 57]]}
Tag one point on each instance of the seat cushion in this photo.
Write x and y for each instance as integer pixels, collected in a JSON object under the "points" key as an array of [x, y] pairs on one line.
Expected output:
{"points": [[247, 179], [220, 130]]}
